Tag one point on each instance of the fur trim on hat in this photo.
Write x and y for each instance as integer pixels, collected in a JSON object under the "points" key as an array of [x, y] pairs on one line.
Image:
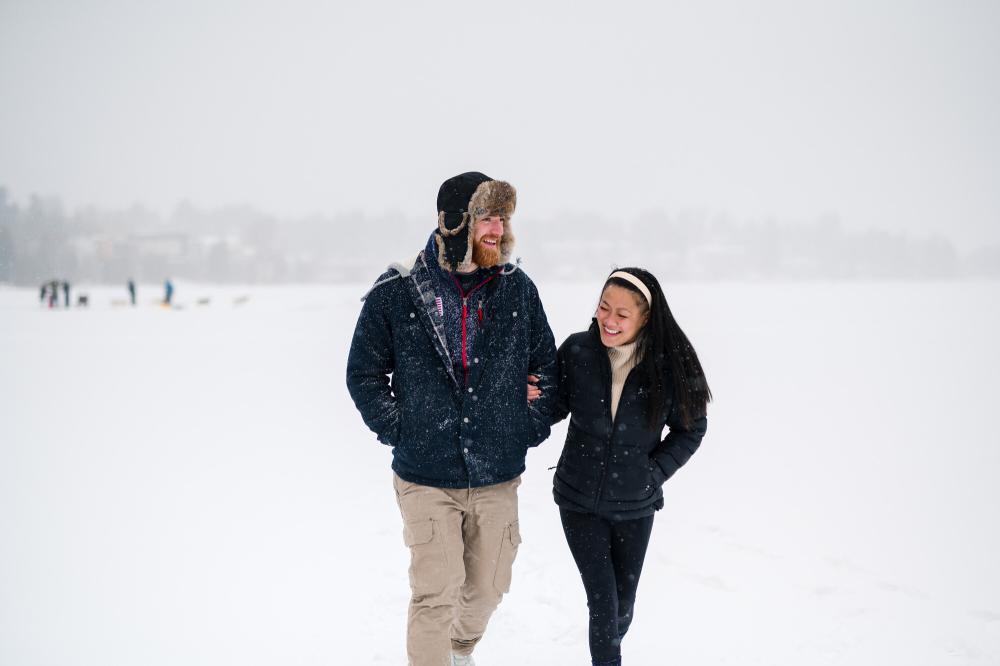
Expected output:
{"points": [[494, 197]]}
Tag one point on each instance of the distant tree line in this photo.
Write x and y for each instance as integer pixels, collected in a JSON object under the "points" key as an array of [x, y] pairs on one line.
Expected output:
{"points": [[238, 244]]}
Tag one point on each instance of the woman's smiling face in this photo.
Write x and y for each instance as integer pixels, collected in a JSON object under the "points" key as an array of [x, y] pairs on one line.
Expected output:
{"points": [[620, 315]]}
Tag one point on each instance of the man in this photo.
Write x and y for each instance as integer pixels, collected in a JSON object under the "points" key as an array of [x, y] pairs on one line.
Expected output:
{"points": [[439, 369]]}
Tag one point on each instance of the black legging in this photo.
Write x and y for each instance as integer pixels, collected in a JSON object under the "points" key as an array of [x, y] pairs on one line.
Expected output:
{"points": [[609, 556]]}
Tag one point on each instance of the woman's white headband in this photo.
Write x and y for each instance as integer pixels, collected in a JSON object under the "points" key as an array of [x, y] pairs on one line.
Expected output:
{"points": [[628, 277]]}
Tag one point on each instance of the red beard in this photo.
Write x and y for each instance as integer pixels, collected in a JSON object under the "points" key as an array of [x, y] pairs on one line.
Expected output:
{"points": [[484, 255]]}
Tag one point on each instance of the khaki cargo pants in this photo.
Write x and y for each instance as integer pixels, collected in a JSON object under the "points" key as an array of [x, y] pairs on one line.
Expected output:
{"points": [[462, 545]]}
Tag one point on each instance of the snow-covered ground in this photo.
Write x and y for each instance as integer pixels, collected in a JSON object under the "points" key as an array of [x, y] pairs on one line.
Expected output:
{"points": [[193, 487]]}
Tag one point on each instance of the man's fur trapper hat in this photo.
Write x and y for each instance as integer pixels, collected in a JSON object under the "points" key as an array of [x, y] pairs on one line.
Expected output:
{"points": [[461, 201]]}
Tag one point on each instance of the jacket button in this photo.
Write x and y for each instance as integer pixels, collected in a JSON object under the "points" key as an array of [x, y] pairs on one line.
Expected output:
{"points": [[412, 315], [475, 360], [470, 389], [515, 313], [465, 450], [465, 420]]}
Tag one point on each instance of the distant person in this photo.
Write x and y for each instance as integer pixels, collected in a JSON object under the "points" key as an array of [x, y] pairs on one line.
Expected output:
{"points": [[632, 373], [131, 292], [65, 288], [168, 292], [42, 293], [53, 293]]}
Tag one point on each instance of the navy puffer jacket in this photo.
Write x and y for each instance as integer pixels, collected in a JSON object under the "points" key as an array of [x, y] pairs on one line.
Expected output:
{"points": [[614, 469], [445, 432]]}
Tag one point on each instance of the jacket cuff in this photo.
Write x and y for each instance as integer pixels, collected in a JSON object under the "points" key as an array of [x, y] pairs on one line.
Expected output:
{"points": [[540, 426], [656, 473]]}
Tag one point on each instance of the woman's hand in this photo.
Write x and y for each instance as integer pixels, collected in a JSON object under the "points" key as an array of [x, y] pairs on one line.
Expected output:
{"points": [[534, 393]]}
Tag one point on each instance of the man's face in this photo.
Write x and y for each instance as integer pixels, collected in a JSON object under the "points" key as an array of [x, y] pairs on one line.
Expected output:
{"points": [[486, 241]]}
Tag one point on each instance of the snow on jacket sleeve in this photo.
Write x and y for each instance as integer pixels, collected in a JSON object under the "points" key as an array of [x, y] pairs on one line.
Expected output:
{"points": [[677, 447], [542, 363], [369, 366]]}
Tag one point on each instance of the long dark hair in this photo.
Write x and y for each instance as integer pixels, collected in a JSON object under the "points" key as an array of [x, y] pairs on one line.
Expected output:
{"points": [[666, 351]]}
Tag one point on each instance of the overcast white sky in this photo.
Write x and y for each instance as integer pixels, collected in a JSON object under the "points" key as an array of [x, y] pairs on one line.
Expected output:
{"points": [[884, 113]]}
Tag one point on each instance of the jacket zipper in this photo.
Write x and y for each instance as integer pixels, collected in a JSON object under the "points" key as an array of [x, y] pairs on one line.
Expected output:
{"points": [[465, 351], [606, 368], [611, 421], [465, 317]]}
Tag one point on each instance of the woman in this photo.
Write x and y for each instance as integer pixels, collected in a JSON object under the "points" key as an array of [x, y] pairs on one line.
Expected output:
{"points": [[621, 382]]}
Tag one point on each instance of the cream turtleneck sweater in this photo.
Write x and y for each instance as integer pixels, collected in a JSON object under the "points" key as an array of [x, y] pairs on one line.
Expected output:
{"points": [[623, 358]]}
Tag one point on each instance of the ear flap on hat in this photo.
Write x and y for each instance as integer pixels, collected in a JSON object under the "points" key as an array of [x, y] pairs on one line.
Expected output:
{"points": [[454, 245]]}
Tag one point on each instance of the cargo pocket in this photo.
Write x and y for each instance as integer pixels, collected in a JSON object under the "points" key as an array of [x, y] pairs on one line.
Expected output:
{"points": [[428, 562], [505, 560]]}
